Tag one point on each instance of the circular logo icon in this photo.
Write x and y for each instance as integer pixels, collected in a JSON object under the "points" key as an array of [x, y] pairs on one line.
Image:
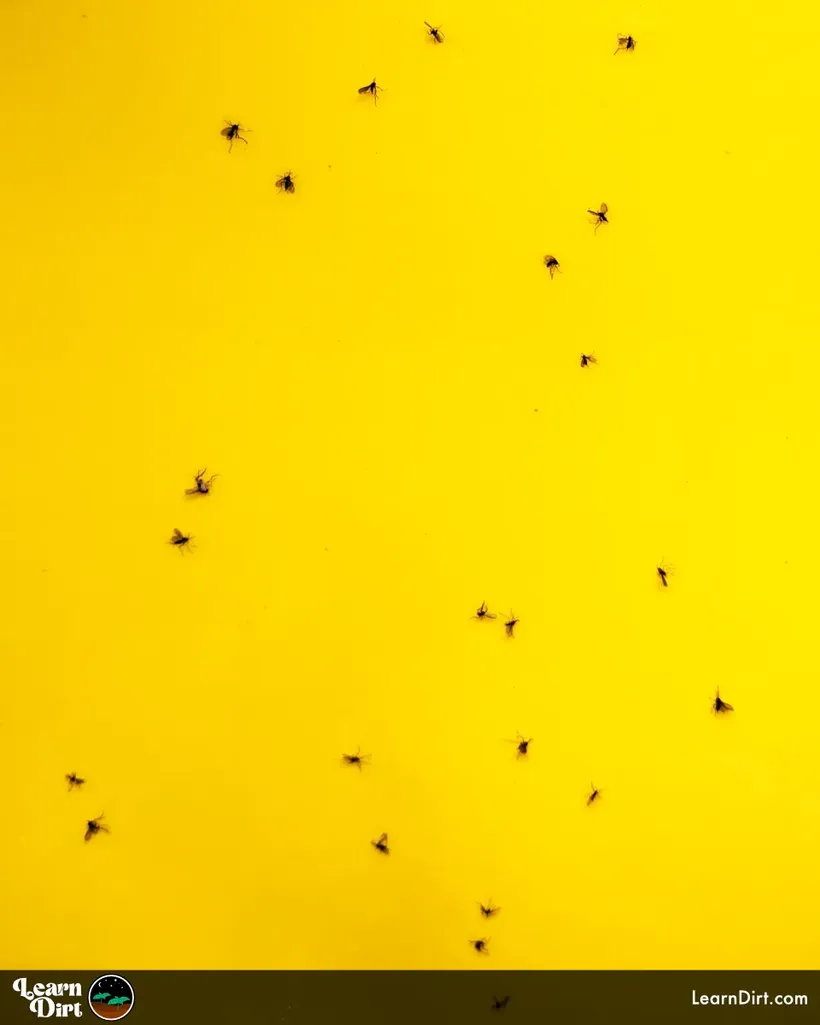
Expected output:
{"points": [[111, 996]]}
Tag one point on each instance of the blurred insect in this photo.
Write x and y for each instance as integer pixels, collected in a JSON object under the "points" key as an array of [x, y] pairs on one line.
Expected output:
{"points": [[522, 745], [599, 216], [94, 826], [482, 613], [202, 486], [488, 910], [371, 88], [180, 540], [664, 572], [625, 43], [74, 780], [285, 183], [358, 759], [231, 132], [595, 793], [480, 945], [381, 844], [434, 32], [499, 1005], [719, 706], [511, 623], [587, 360], [552, 265]]}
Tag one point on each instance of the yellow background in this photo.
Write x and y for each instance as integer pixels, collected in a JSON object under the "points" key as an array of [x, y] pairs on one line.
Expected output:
{"points": [[387, 382]]}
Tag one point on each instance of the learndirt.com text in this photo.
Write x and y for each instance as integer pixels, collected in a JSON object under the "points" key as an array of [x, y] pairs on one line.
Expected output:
{"points": [[750, 998]]}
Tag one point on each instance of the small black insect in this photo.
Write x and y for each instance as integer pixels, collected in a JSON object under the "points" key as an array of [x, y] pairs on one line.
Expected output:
{"points": [[372, 89], [552, 265], [499, 1005], [73, 780], [664, 572], [94, 826], [434, 32], [180, 540], [522, 746], [488, 910], [600, 215], [381, 844], [510, 625], [480, 945], [202, 486], [625, 43], [358, 759], [231, 132], [719, 706], [594, 794], [482, 613], [285, 183], [587, 360]]}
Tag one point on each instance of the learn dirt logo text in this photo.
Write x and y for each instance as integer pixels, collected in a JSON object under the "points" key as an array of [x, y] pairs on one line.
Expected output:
{"points": [[110, 997]]}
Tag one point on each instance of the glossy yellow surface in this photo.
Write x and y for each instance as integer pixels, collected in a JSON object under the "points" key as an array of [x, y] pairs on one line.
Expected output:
{"points": [[387, 382]]}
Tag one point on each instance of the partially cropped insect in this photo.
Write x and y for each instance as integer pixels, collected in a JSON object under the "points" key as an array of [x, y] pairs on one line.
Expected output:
{"points": [[358, 759], [372, 89], [586, 360], [625, 43], [552, 265], [599, 216], [510, 625], [434, 32], [73, 780], [594, 794], [180, 540], [488, 910], [94, 826], [482, 613], [201, 486], [381, 844], [285, 183], [480, 945], [231, 131], [719, 706], [499, 1005]]}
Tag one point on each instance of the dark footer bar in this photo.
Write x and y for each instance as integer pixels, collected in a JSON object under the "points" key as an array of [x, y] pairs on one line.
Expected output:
{"points": [[396, 998]]}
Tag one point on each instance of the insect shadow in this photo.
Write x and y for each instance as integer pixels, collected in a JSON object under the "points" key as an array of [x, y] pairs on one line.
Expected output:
{"points": [[358, 760], [232, 131], [372, 89], [94, 826], [73, 780], [599, 216], [201, 486], [434, 32], [719, 706]]}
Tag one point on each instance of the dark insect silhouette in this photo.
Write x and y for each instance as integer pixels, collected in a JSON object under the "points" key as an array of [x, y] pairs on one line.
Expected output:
{"points": [[594, 794], [482, 613], [552, 265], [625, 43], [434, 32], [499, 1005], [201, 486], [285, 183], [73, 780], [600, 215], [358, 759], [488, 910], [511, 623], [94, 826], [231, 132], [719, 706], [180, 540], [372, 89], [480, 945], [381, 844], [664, 572], [587, 360], [522, 746]]}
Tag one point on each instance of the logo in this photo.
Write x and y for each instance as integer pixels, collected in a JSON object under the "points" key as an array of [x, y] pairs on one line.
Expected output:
{"points": [[110, 997]]}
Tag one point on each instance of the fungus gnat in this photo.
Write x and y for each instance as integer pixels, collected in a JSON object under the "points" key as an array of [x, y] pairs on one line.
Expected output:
{"points": [[371, 89], [434, 32], [180, 540], [599, 216], [586, 360], [482, 613], [625, 43], [719, 706], [201, 486], [94, 826], [381, 844], [594, 794], [73, 780], [552, 265], [488, 910], [231, 132], [522, 746], [510, 625], [499, 1005], [480, 946], [285, 183], [358, 759], [664, 572]]}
